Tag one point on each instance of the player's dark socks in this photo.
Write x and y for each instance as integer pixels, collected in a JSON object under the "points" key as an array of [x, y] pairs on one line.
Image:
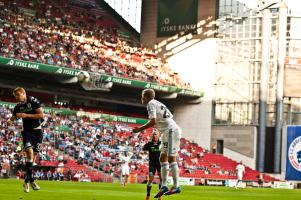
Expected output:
{"points": [[159, 186], [148, 189], [29, 175]]}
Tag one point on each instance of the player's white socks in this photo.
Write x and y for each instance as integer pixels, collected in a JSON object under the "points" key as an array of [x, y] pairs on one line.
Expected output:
{"points": [[174, 169], [164, 172]]}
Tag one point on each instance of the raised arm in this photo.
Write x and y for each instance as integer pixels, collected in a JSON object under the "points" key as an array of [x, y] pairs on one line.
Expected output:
{"points": [[149, 124]]}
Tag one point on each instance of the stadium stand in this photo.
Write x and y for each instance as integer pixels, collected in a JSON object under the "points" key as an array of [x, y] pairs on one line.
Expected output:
{"points": [[81, 145], [65, 34]]}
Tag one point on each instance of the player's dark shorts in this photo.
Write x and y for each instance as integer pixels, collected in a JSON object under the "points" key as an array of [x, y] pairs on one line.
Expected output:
{"points": [[33, 139], [153, 168]]}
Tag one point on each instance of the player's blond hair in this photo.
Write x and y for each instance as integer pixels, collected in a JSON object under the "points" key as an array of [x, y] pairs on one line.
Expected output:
{"points": [[19, 89], [149, 93]]}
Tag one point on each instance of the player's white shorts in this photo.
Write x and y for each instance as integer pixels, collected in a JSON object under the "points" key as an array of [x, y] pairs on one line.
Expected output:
{"points": [[125, 170], [170, 144]]}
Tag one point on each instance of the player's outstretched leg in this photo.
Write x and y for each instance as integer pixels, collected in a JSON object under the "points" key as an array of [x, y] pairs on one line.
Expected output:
{"points": [[160, 184], [164, 174], [148, 189], [29, 168], [237, 183], [173, 190], [174, 169], [161, 192], [29, 178], [122, 180], [160, 198], [126, 180], [29, 173], [34, 186], [26, 187]]}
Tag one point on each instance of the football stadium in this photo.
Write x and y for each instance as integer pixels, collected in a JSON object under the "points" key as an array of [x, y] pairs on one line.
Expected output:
{"points": [[150, 99]]}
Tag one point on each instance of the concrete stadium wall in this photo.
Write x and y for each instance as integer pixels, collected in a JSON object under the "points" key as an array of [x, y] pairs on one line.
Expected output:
{"points": [[193, 57], [250, 162], [196, 65], [239, 142], [195, 122]]}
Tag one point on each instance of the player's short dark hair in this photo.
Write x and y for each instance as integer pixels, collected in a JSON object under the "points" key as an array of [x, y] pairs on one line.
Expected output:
{"points": [[19, 89], [149, 93]]}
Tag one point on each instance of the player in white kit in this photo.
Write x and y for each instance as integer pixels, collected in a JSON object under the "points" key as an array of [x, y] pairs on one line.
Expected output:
{"points": [[125, 168], [240, 168], [162, 119]]}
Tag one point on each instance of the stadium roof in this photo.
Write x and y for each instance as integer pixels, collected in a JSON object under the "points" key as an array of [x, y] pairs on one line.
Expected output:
{"points": [[129, 10], [106, 11]]}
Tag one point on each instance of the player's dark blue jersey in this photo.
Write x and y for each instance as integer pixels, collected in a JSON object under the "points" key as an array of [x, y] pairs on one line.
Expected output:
{"points": [[29, 107], [154, 151]]}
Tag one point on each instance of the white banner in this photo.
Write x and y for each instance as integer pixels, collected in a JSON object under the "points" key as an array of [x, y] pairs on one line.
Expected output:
{"points": [[215, 182], [182, 181], [283, 185], [233, 182]]}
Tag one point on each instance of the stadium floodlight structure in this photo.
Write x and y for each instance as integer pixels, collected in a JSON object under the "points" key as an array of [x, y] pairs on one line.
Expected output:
{"points": [[250, 64], [265, 4], [264, 7], [282, 30]]}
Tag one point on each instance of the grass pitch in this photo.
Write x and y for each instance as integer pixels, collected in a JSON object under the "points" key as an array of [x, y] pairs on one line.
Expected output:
{"points": [[11, 189]]}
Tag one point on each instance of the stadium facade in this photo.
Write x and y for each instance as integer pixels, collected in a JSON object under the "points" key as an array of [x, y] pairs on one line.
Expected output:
{"points": [[249, 56]]}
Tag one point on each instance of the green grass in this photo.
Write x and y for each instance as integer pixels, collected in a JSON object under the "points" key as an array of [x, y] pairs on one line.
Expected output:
{"points": [[12, 189]]}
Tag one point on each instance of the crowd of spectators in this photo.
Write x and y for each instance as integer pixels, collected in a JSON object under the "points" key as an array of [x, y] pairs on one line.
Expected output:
{"points": [[55, 39], [49, 175], [94, 142], [89, 141], [10, 144]]}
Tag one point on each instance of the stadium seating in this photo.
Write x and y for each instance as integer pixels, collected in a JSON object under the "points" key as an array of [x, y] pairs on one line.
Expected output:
{"points": [[65, 34], [93, 146]]}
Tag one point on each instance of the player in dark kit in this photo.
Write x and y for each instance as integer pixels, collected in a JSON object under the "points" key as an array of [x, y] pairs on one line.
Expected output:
{"points": [[29, 109], [153, 147]]}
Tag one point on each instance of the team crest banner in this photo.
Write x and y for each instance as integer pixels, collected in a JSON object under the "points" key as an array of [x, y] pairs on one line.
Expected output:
{"points": [[176, 16], [293, 153]]}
